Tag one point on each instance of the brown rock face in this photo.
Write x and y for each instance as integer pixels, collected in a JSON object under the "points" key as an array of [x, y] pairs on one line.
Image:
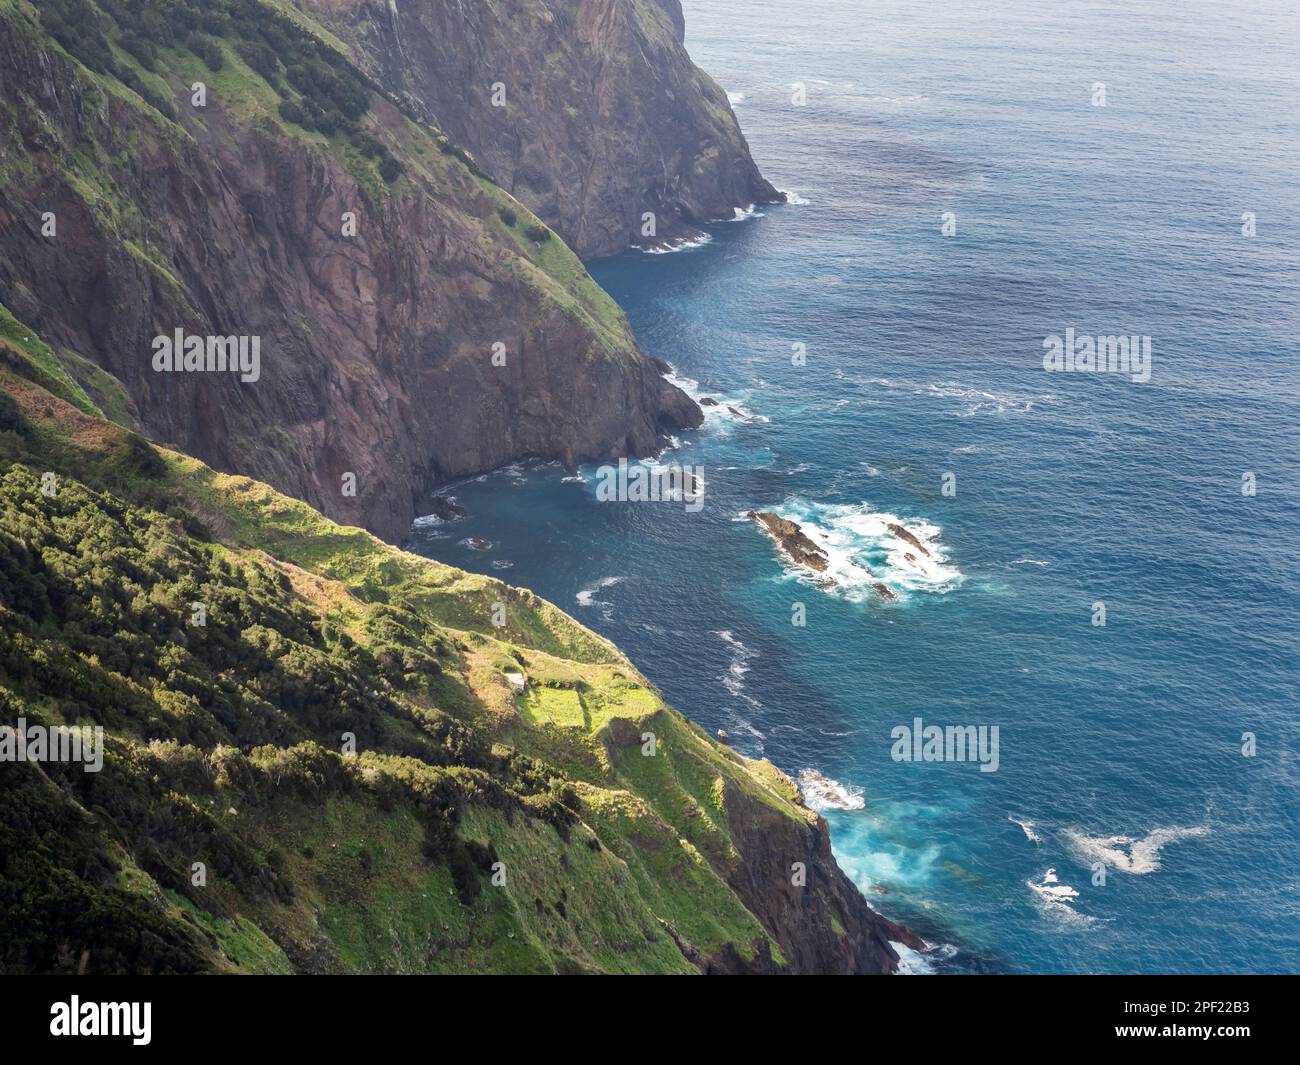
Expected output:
{"points": [[376, 350], [603, 116], [903, 534], [792, 540], [802, 918]]}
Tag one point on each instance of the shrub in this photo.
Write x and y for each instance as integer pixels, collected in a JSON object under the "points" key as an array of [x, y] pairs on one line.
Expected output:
{"points": [[208, 50], [145, 53], [261, 58], [291, 112]]}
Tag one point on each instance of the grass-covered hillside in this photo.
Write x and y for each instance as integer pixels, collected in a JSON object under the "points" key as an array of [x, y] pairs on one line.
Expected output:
{"points": [[339, 748]]}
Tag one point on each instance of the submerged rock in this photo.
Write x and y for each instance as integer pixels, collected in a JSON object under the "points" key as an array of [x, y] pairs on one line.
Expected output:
{"points": [[445, 508]]}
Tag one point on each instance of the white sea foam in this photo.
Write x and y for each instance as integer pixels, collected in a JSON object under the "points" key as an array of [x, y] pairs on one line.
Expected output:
{"points": [[1054, 900], [794, 198], [587, 597], [687, 384], [821, 793], [1030, 562], [743, 214], [680, 244], [863, 551], [734, 679], [980, 401], [515, 472], [726, 409], [1128, 854], [735, 98], [1051, 887], [1027, 827], [895, 100], [972, 400], [911, 962]]}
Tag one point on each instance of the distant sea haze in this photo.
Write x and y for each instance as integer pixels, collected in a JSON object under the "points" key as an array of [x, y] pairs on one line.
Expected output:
{"points": [[1102, 564]]}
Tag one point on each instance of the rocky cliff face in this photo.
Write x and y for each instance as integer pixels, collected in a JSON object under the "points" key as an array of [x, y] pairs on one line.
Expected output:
{"points": [[800, 914], [450, 334], [415, 323], [589, 111]]}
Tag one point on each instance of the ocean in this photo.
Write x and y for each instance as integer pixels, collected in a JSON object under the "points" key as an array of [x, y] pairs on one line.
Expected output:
{"points": [[967, 181]]}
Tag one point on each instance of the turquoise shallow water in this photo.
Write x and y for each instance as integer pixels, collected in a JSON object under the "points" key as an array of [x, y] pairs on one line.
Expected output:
{"points": [[1119, 744]]}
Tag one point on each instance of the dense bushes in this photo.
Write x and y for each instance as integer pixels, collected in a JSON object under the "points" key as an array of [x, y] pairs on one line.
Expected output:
{"points": [[320, 90], [249, 708], [60, 905], [224, 727]]}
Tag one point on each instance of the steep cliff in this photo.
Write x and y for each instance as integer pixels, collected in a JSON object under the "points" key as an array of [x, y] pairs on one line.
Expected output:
{"points": [[589, 111], [352, 744], [415, 322], [355, 759]]}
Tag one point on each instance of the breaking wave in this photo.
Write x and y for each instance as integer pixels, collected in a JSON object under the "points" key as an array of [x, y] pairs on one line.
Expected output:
{"points": [[697, 240], [723, 410], [587, 597], [821, 793], [864, 551]]}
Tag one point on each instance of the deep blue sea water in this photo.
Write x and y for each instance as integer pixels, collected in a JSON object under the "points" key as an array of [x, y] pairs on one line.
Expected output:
{"points": [[1119, 743]]}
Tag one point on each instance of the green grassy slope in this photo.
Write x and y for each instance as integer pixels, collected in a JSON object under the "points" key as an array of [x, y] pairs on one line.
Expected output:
{"points": [[471, 828]]}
